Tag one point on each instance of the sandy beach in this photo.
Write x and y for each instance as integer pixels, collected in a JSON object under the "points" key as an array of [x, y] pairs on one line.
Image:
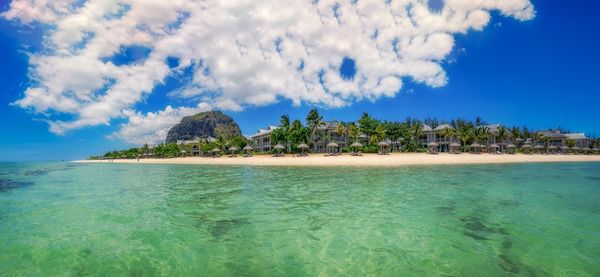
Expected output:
{"points": [[394, 159]]}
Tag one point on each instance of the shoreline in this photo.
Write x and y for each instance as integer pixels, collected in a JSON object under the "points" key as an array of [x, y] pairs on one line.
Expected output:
{"points": [[367, 160]]}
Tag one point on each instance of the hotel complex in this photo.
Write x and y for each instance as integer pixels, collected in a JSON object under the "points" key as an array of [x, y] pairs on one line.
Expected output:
{"points": [[431, 138]]}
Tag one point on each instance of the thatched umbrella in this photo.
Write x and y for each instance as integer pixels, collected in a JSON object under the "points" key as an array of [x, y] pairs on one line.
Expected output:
{"points": [[182, 152], [565, 149], [511, 148], [383, 146], [248, 149], [552, 148], [539, 148], [433, 147], [494, 147], [332, 145], [596, 150], [476, 146], [279, 148], [215, 151], [355, 145], [232, 149], [453, 147], [576, 149], [303, 147]]}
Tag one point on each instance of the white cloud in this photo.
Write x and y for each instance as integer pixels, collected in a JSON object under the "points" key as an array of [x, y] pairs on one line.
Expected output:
{"points": [[244, 52]]}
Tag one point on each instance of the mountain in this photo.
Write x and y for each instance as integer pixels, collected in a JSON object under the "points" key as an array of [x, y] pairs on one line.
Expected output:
{"points": [[206, 124]]}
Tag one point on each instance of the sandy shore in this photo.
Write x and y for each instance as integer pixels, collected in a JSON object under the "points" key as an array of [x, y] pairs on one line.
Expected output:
{"points": [[395, 159]]}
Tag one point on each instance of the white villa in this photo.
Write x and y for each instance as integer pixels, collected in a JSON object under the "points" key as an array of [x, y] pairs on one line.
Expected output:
{"points": [[327, 133]]}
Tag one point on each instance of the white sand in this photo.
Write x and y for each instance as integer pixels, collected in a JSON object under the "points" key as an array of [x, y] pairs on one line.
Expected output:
{"points": [[395, 159]]}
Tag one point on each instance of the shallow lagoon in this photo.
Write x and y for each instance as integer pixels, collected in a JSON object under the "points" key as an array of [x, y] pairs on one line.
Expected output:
{"points": [[115, 219]]}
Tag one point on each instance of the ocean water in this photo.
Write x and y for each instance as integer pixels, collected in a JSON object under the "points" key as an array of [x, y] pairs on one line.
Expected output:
{"points": [[173, 220]]}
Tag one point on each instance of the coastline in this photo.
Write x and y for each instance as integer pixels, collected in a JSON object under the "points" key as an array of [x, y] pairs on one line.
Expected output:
{"points": [[367, 160]]}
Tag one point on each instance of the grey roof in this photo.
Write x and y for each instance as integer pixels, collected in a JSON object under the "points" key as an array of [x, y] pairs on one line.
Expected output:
{"points": [[576, 136], [267, 131], [356, 144], [442, 127]]}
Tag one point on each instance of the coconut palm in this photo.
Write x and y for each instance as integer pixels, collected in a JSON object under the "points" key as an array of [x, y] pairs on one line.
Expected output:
{"points": [[465, 132], [448, 132], [340, 130], [378, 134], [314, 121], [353, 131], [502, 135]]}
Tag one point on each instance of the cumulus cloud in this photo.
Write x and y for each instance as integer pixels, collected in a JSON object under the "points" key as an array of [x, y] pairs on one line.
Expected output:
{"points": [[240, 53]]}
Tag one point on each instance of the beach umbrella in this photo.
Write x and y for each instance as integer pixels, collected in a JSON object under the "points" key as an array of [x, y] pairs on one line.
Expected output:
{"points": [[511, 146], [303, 147], [454, 146], [216, 150], [279, 147], [232, 149], [382, 146], [576, 148], [333, 145], [539, 146], [475, 145], [356, 144], [433, 147], [527, 146], [495, 146], [248, 148]]}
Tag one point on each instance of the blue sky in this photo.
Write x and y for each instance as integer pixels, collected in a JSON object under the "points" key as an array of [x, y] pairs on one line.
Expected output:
{"points": [[541, 73]]}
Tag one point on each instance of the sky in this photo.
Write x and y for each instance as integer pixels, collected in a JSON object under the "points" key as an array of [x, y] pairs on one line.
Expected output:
{"points": [[80, 78]]}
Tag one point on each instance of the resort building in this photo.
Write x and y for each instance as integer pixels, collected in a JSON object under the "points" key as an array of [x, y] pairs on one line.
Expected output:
{"points": [[437, 135], [262, 139], [327, 133], [580, 139], [441, 139]]}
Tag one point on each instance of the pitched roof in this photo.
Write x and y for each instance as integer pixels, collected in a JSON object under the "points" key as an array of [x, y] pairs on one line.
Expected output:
{"points": [[576, 136], [442, 127]]}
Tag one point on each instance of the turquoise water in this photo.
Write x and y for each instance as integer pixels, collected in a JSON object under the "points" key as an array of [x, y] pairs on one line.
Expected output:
{"points": [[170, 220]]}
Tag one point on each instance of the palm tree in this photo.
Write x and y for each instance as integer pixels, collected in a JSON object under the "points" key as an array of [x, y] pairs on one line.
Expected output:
{"points": [[378, 134], [314, 121], [353, 131], [448, 132], [516, 134], [537, 137], [367, 125], [502, 135], [340, 130], [417, 130], [284, 124]]}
